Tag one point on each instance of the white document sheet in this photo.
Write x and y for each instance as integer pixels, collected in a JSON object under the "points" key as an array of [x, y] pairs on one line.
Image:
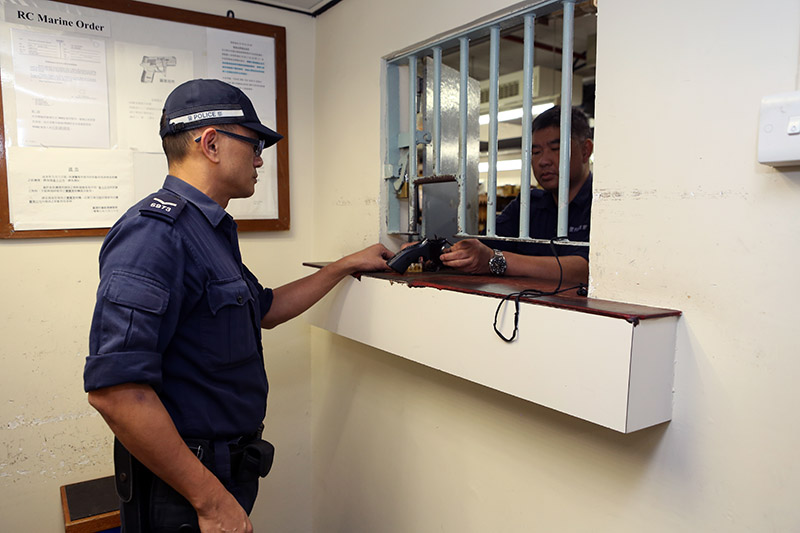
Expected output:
{"points": [[62, 90], [58, 188], [248, 62]]}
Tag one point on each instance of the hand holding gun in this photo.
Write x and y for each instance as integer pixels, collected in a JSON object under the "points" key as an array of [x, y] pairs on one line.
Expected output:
{"points": [[429, 249]]}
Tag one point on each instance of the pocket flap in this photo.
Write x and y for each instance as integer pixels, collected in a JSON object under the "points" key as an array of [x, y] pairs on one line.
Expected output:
{"points": [[227, 292], [137, 292]]}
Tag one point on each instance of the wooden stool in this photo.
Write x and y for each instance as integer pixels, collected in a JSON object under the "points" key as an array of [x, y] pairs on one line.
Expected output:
{"points": [[90, 506]]}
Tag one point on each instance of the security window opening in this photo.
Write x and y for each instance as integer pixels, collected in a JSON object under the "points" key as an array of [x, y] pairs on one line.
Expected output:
{"points": [[459, 112]]}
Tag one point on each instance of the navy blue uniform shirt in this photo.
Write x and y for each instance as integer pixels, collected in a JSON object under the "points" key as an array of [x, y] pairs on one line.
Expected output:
{"points": [[177, 310], [544, 223]]}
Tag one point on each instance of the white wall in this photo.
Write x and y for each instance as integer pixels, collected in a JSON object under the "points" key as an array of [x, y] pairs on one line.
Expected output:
{"points": [[684, 217], [50, 436]]}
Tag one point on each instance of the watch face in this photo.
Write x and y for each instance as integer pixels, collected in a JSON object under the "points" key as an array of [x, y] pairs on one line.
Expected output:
{"points": [[497, 264]]}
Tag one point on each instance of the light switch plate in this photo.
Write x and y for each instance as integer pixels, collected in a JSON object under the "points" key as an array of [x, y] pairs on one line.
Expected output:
{"points": [[778, 128]]}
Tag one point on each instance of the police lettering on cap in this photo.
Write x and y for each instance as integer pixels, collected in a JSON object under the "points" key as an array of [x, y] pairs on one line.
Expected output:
{"points": [[199, 103]]}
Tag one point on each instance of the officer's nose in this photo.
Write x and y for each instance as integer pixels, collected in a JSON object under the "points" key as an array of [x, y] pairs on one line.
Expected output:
{"points": [[546, 160]]}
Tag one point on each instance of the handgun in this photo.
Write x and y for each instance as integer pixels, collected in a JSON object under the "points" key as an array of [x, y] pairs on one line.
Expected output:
{"points": [[429, 249]]}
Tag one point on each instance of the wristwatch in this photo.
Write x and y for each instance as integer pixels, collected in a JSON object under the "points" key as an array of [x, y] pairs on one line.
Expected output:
{"points": [[497, 264]]}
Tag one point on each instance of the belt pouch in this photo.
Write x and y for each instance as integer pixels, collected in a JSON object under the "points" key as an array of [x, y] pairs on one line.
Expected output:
{"points": [[256, 460], [123, 466]]}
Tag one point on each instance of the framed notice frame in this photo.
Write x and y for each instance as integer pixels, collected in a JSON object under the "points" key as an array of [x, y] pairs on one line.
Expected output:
{"points": [[82, 86]]}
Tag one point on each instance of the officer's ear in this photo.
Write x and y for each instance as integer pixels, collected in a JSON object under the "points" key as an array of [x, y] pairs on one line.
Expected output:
{"points": [[587, 148], [208, 144]]}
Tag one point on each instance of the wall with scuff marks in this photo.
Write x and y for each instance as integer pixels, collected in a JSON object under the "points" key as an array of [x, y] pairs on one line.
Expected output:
{"points": [[684, 217], [49, 435], [48, 432]]}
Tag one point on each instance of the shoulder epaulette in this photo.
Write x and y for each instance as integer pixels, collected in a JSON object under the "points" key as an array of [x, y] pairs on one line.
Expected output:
{"points": [[164, 205]]}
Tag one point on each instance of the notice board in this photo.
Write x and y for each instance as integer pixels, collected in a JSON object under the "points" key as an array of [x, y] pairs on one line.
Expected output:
{"points": [[82, 86]]}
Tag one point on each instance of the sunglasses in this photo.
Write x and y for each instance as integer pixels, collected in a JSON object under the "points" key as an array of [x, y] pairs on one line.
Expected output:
{"points": [[258, 144]]}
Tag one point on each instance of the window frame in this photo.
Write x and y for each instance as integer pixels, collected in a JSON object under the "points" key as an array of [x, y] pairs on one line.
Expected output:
{"points": [[400, 147]]}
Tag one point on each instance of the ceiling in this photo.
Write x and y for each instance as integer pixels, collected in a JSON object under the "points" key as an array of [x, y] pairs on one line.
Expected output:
{"points": [[309, 7]]}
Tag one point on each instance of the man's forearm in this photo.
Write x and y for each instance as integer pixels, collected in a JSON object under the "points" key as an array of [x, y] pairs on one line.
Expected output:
{"points": [[291, 299], [139, 420], [575, 268], [294, 298]]}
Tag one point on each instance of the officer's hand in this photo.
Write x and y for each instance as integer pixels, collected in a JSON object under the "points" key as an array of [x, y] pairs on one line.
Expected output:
{"points": [[469, 255], [225, 516], [369, 259]]}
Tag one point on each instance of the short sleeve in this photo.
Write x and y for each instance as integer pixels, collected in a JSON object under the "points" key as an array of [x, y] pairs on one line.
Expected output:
{"points": [[263, 296], [137, 304]]}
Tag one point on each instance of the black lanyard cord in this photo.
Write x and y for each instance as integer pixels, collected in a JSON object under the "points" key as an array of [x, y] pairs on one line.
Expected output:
{"points": [[530, 293]]}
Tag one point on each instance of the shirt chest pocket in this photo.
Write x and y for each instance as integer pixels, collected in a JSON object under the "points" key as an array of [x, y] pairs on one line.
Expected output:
{"points": [[230, 335]]}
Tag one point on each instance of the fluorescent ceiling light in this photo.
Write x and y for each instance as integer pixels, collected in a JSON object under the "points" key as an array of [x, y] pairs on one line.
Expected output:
{"points": [[508, 164], [513, 114]]}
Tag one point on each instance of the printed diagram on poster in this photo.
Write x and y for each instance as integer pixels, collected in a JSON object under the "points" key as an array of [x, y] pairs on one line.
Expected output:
{"points": [[145, 75]]}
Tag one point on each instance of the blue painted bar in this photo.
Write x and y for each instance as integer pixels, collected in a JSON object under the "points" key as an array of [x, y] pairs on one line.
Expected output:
{"points": [[527, 121], [562, 231], [392, 162], [437, 111], [412, 143], [463, 110], [491, 177]]}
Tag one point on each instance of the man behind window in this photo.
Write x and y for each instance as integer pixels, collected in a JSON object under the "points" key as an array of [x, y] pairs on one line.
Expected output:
{"points": [[533, 259], [176, 365]]}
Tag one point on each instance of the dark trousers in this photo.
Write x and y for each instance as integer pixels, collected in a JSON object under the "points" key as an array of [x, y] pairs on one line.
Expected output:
{"points": [[149, 505]]}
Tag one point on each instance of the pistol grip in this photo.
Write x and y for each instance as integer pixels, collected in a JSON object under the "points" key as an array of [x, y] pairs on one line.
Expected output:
{"points": [[400, 262]]}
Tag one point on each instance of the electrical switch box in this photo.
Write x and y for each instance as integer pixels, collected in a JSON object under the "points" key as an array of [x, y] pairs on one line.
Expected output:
{"points": [[779, 130]]}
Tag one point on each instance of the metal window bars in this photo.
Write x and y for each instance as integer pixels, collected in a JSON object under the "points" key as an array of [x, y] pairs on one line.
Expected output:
{"points": [[401, 169]]}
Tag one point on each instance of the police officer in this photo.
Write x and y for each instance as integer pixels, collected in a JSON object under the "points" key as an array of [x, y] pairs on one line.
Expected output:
{"points": [[176, 366], [535, 259]]}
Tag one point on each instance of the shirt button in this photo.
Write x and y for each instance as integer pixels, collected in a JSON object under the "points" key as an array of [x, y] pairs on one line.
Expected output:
{"points": [[239, 299]]}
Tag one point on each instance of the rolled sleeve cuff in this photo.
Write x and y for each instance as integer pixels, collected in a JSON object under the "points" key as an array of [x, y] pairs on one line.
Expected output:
{"points": [[111, 369], [265, 301]]}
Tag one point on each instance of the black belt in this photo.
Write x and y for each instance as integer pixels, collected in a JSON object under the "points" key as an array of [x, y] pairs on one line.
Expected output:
{"points": [[242, 458]]}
